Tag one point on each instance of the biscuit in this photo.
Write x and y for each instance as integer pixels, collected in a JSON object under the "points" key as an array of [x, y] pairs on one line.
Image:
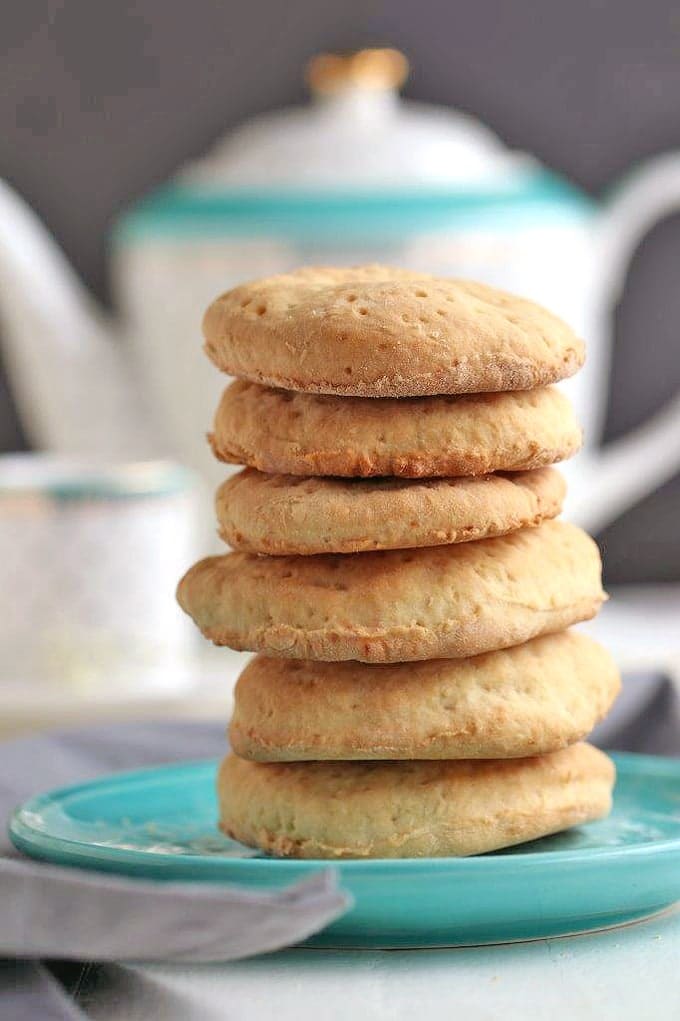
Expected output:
{"points": [[410, 809], [278, 431], [398, 605], [374, 331], [290, 514], [527, 700]]}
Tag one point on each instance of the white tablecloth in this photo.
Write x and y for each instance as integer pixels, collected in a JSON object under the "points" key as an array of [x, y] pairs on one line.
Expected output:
{"points": [[626, 974]]}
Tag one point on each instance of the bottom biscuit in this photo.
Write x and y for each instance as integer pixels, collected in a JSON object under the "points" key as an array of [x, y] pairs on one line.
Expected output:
{"points": [[410, 809]]}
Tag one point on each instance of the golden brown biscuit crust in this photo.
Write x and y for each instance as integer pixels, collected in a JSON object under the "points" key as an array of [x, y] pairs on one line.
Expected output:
{"points": [[375, 331], [528, 700], [410, 809], [399, 605], [290, 514], [277, 431]]}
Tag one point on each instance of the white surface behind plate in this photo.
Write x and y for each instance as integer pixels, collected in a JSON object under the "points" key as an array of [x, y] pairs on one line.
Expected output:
{"points": [[625, 974]]}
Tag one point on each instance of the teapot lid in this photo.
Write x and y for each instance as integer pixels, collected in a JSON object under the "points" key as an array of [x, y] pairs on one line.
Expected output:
{"points": [[356, 134], [357, 160]]}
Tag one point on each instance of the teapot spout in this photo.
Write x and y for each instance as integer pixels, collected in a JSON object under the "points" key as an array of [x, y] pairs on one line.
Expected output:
{"points": [[73, 388]]}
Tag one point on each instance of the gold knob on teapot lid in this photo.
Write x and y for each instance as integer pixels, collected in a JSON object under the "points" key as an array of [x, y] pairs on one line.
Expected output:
{"points": [[328, 73]]}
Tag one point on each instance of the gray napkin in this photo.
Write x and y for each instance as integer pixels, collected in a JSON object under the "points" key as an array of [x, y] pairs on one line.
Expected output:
{"points": [[68, 913], [645, 717], [29, 992], [57, 912]]}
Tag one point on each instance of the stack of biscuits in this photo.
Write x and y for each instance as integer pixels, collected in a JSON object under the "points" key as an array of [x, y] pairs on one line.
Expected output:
{"points": [[398, 569]]}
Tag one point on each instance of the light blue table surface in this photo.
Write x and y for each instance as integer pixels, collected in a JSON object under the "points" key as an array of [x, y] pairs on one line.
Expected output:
{"points": [[627, 974]]}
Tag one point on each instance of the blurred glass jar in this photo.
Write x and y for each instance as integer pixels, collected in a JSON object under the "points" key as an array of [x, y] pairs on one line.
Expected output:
{"points": [[90, 556]]}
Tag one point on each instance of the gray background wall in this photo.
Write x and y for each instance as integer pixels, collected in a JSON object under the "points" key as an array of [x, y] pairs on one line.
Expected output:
{"points": [[101, 100]]}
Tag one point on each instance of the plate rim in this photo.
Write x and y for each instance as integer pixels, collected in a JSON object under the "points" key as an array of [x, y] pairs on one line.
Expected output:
{"points": [[25, 836]]}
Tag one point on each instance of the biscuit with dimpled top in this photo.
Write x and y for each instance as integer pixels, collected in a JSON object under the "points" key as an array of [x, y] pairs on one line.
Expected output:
{"points": [[399, 605], [375, 331], [291, 514], [280, 432], [527, 700]]}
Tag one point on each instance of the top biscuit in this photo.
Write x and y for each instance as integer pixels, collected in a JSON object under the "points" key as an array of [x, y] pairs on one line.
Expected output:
{"points": [[375, 331]]}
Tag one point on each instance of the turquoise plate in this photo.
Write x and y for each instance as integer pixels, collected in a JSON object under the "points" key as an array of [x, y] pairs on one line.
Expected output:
{"points": [[160, 823]]}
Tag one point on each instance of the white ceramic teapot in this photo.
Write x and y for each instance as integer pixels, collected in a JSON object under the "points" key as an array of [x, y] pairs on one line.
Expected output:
{"points": [[357, 176]]}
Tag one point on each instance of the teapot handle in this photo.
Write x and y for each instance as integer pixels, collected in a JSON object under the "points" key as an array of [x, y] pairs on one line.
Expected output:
{"points": [[638, 463]]}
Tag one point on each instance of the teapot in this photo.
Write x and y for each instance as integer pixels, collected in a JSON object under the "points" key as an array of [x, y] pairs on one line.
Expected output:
{"points": [[357, 176]]}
